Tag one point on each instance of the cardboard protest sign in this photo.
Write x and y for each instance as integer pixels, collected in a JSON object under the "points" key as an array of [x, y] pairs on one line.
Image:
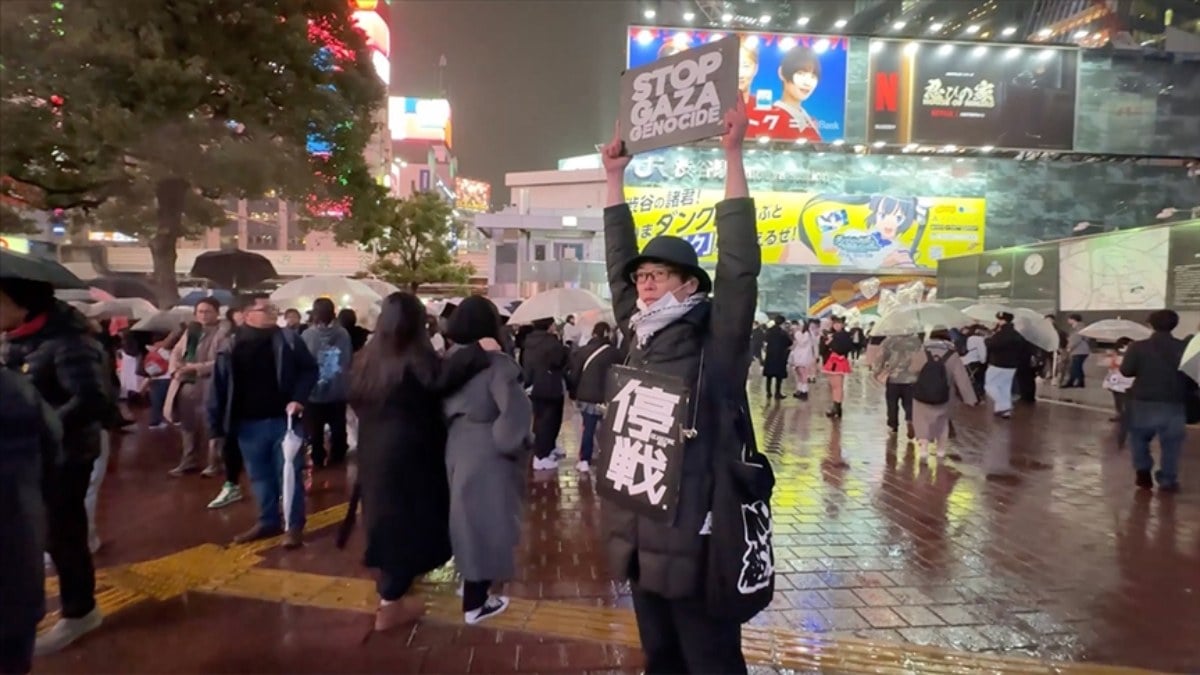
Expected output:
{"points": [[641, 442], [680, 98]]}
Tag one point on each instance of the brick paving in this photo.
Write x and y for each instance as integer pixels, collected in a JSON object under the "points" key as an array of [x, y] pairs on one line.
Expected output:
{"points": [[1053, 555]]}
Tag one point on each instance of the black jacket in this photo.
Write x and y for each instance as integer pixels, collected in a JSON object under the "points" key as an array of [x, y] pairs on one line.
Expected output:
{"points": [[72, 372], [295, 369], [1155, 363], [30, 447], [1006, 348], [588, 385], [669, 559], [544, 362], [775, 360]]}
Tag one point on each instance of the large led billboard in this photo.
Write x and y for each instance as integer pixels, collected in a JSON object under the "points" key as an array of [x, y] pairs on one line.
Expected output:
{"points": [[795, 84], [422, 119], [472, 195], [944, 93]]}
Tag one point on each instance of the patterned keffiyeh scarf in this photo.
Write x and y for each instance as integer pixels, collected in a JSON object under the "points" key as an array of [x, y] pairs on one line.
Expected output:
{"points": [[647, 322]]}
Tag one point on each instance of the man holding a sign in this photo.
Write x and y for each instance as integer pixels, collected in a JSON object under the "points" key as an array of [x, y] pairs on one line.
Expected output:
{"points": [[674, 406]]}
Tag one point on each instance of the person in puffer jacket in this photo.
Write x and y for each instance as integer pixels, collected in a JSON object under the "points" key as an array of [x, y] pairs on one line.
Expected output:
{"points": [[52, 344], [673, 328]]}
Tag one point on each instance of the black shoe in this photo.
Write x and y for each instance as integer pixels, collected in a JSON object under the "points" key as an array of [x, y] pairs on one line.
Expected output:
{"points": [[804, 396], [1144, 481], [779, 397]]}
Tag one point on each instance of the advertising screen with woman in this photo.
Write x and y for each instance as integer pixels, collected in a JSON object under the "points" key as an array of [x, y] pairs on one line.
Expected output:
{"points": [[795, 84]]}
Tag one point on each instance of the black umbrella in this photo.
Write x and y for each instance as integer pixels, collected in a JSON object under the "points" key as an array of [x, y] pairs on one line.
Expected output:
{"points": [[233, 268], [127, 287], [32, 268]]}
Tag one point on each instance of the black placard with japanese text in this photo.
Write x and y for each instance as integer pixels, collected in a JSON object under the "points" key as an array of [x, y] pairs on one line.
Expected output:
{"points": [[640, 461]]}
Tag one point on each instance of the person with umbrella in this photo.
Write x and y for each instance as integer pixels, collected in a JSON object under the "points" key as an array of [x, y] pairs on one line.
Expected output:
{"points": [[51, 343], [1005, 351], [261, 377]]}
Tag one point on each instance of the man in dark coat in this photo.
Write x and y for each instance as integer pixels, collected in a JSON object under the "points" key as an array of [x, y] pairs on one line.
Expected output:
{"points": [[775, 369], [30, 449], [52, 344], [660, 300], [1006, 351], [544, 361], [1158, 401]]}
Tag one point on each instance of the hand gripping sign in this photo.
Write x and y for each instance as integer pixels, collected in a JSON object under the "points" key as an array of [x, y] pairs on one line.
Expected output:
{"points": [[641, 442], [680, 98]]}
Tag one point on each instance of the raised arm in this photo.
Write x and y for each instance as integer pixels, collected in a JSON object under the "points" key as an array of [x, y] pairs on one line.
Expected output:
{"points": [[620, 237], [739, 258]]}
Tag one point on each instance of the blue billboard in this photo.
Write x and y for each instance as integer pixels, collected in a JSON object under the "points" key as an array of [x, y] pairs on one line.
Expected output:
{"points": [[794, 84]]}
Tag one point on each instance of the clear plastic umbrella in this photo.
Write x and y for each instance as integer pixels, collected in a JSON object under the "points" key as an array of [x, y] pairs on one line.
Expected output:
{"points": [[1032, 326], [291, 450], [555, 303], [1111, 330], [129, 308], [1190, 363], [344, 292], [920, 318], [164, 321]]}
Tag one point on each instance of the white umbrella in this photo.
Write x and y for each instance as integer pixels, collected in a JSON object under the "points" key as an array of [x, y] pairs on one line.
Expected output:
{"points": [[958, 303], [344, 292], [761, 317], [1032, 326], [1111, 330], [1190, 363], [164, 321], [920, 318], [291, 449], [555, 303], [129, 308], [380, 286]]}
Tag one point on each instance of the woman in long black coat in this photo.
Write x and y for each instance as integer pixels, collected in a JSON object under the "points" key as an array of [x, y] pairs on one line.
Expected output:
{"points": [[775, 363], [396, 392]]}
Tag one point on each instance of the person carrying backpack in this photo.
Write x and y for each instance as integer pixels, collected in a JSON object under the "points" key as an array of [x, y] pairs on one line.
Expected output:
{"points": [[941, 380]]}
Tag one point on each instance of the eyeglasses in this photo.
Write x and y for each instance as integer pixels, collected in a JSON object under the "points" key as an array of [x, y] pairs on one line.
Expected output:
{"points": [[659, 275]]}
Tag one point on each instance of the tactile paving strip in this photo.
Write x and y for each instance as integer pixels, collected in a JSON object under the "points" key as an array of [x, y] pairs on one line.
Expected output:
{"points": [[231, 571]]}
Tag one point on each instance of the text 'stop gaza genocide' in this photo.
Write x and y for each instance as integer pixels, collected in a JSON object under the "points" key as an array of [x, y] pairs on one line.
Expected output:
{"points": [[690, 101]]}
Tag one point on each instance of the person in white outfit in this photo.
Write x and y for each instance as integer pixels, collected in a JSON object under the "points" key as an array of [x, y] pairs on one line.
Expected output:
{"points": [[802, 358]]}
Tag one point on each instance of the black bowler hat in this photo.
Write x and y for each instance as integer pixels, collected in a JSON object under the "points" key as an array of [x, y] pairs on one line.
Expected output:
{"points": [[1005, 316], [675, 252]]}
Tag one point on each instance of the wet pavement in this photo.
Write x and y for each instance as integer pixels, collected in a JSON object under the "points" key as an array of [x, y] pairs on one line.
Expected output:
{"points": [[1032, 545]]}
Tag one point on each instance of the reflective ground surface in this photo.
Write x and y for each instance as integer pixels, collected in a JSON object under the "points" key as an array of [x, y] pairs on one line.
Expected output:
{"points": [[1029, 553]]}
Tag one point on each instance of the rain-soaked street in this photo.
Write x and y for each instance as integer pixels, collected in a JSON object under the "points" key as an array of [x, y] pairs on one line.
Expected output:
{"points": [[885, 563]]}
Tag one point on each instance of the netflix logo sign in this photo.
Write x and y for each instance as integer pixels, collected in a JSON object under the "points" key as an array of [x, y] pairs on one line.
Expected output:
{"points": [[941, 93]]}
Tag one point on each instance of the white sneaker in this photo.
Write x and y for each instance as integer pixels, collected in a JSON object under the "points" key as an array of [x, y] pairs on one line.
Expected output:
{"points": [[547, 464], [495, 604], [229, 494], [67, 631], [559, 453], [583, 467]]}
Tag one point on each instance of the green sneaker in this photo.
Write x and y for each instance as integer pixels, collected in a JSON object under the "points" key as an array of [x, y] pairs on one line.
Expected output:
{"points": [[229, 494]]}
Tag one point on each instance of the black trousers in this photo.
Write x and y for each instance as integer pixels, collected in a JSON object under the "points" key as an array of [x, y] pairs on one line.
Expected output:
{"points": [[678, 636], [393, 584], [67, 537], [231, 457], [778, 381], [547, 422], [897, 395], [475, 594], [316, 416], [16, 645]]}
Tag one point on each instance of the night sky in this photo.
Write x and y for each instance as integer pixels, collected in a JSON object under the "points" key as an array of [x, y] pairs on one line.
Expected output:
{"points": [[529, 81]]}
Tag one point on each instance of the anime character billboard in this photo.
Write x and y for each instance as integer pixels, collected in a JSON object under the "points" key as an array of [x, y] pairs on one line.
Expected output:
{"points": [[862, 231]]}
